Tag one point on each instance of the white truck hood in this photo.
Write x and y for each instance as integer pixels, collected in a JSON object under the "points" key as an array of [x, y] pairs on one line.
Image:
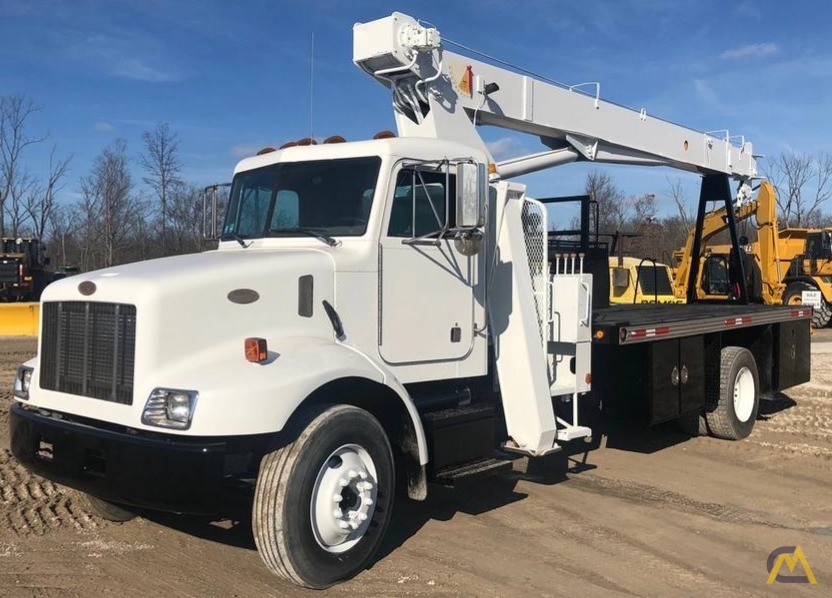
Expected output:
{"points": [[186, 305]]}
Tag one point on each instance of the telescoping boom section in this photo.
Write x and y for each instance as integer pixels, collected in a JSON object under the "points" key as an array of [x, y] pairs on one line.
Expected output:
{"points": [[443, 95]]}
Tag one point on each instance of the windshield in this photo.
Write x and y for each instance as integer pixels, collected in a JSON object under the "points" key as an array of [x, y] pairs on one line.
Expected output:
{"points": [[654, 280], [292, 199]]}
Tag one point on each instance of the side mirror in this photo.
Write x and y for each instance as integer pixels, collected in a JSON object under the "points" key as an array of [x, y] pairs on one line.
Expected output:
{"points": [[471, 189], [209, 213]]}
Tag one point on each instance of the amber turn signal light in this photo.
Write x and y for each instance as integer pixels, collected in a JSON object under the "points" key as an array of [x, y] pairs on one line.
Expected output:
{"points": [[256, 350]]}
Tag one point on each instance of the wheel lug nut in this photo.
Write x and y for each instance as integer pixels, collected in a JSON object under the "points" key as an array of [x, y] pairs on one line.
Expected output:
{"points": [[362, 516], [352, 474], [343, 525], [337, 513], [368, 501], [362, 475], [343, 482], [337, 498]]}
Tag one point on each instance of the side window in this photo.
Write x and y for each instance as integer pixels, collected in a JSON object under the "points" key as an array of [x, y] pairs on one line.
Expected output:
{"points": [[419, 203], [715, 279]]}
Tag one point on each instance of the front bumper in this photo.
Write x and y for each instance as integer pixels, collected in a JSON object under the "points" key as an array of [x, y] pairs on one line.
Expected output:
{"points": [[167, 473]]}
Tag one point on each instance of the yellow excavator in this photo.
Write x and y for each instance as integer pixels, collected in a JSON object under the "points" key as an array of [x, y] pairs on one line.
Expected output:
{"points": [[761, 258], [792, 266]]}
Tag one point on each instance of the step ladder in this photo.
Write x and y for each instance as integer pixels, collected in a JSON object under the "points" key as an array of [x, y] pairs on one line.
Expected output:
{"points": [[532, 315]]}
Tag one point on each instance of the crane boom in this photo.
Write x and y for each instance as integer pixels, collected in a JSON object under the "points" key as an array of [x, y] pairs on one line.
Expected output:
{"points": [[440, 94]]}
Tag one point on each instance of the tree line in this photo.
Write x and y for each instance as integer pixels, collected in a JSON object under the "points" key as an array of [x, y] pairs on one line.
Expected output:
{"points": [[116, 219]]}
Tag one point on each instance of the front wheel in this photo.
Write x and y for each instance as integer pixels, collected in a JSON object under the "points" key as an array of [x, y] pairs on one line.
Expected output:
{"points": [[323, 501], [102, 508]]}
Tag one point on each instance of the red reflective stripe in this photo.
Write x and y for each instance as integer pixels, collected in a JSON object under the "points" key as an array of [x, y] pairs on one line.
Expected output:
{"points": [[738, 321], [799, 313], [648, 332]]}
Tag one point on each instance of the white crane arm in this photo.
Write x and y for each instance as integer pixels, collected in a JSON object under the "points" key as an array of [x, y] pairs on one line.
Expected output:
{"points": [[443, 95]]}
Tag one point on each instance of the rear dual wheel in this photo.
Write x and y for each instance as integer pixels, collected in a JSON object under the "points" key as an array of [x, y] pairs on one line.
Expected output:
{"points": [[739, 396]]}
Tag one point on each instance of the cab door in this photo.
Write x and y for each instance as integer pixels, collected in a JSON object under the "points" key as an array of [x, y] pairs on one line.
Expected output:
{"points": [[427, 286]]}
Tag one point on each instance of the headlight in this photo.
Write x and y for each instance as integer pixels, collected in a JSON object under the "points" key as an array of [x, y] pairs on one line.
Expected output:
{"points": [[22, 382], [170, 408]]}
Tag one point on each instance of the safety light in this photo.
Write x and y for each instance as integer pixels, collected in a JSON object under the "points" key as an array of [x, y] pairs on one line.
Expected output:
{"points": [[256, 350]]}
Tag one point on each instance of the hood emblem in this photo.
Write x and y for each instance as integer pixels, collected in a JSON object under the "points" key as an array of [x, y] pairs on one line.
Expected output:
{"points": [[243, 296], [87, 288]]}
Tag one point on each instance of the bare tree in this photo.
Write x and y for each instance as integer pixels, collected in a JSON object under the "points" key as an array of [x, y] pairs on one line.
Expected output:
{"points": [[186, 219], [15, 181], [162, 169], [612, 205], [107, 212], [803, 183], [677, 193], [40, 203], [64, 225]]}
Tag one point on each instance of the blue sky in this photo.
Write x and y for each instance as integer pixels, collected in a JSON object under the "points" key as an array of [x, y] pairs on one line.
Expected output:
{"points": [[231, 78]]}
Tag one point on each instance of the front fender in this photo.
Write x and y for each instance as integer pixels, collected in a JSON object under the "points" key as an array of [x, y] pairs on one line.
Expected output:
{"points": [[237, 397]]}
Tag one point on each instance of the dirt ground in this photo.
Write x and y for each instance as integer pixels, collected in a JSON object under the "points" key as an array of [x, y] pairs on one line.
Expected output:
{"points": [[647, 514]]}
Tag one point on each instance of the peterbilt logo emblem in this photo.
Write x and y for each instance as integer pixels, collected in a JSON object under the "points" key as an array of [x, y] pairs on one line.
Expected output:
{"points": [[87, 287]]}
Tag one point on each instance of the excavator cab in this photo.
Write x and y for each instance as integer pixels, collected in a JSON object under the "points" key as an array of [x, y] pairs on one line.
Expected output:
{"points": [[819, 245], [22, 269]]}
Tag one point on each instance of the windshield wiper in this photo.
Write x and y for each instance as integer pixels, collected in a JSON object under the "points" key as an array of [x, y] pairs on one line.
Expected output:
{"points": [[239, 240], [310, 232]]}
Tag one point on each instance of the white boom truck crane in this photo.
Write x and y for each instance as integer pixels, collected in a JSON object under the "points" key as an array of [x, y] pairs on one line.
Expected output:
{"points": [[384, 313]]}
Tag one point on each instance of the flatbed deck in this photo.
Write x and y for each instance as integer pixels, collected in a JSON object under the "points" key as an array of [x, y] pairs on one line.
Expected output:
{"points": [[630, 324]]}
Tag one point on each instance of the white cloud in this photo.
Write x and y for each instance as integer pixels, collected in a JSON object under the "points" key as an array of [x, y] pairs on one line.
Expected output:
{"points": [[103, 127], [748, 10], [505, 147], [706, 92], [752, 50], [127, 55], [243, 150], [133, 68]]}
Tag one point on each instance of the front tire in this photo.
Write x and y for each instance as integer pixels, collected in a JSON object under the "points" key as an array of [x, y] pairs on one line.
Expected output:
{"points": [[103, 508], [739, 395], [323, 501]]}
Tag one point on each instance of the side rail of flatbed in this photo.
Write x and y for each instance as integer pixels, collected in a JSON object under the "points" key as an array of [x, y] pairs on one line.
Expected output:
{"points": [[704, 364]]}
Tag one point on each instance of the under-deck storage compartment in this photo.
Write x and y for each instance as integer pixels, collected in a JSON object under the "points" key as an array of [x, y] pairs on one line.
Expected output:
{"points": [[793, 358], [651, 382]]}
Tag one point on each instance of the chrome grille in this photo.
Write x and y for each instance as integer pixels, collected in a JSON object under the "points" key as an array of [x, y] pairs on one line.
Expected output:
{"points": [[89, 349]]}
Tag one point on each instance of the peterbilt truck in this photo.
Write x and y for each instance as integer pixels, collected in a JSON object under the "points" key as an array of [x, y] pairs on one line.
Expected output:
{"points": [[383, 314]]}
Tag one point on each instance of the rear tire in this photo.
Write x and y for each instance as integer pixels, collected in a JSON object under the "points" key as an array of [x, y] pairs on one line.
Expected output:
{"points": [[739, 395], [821, 315], [103, 508], [692, 424], [323, 502]]}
